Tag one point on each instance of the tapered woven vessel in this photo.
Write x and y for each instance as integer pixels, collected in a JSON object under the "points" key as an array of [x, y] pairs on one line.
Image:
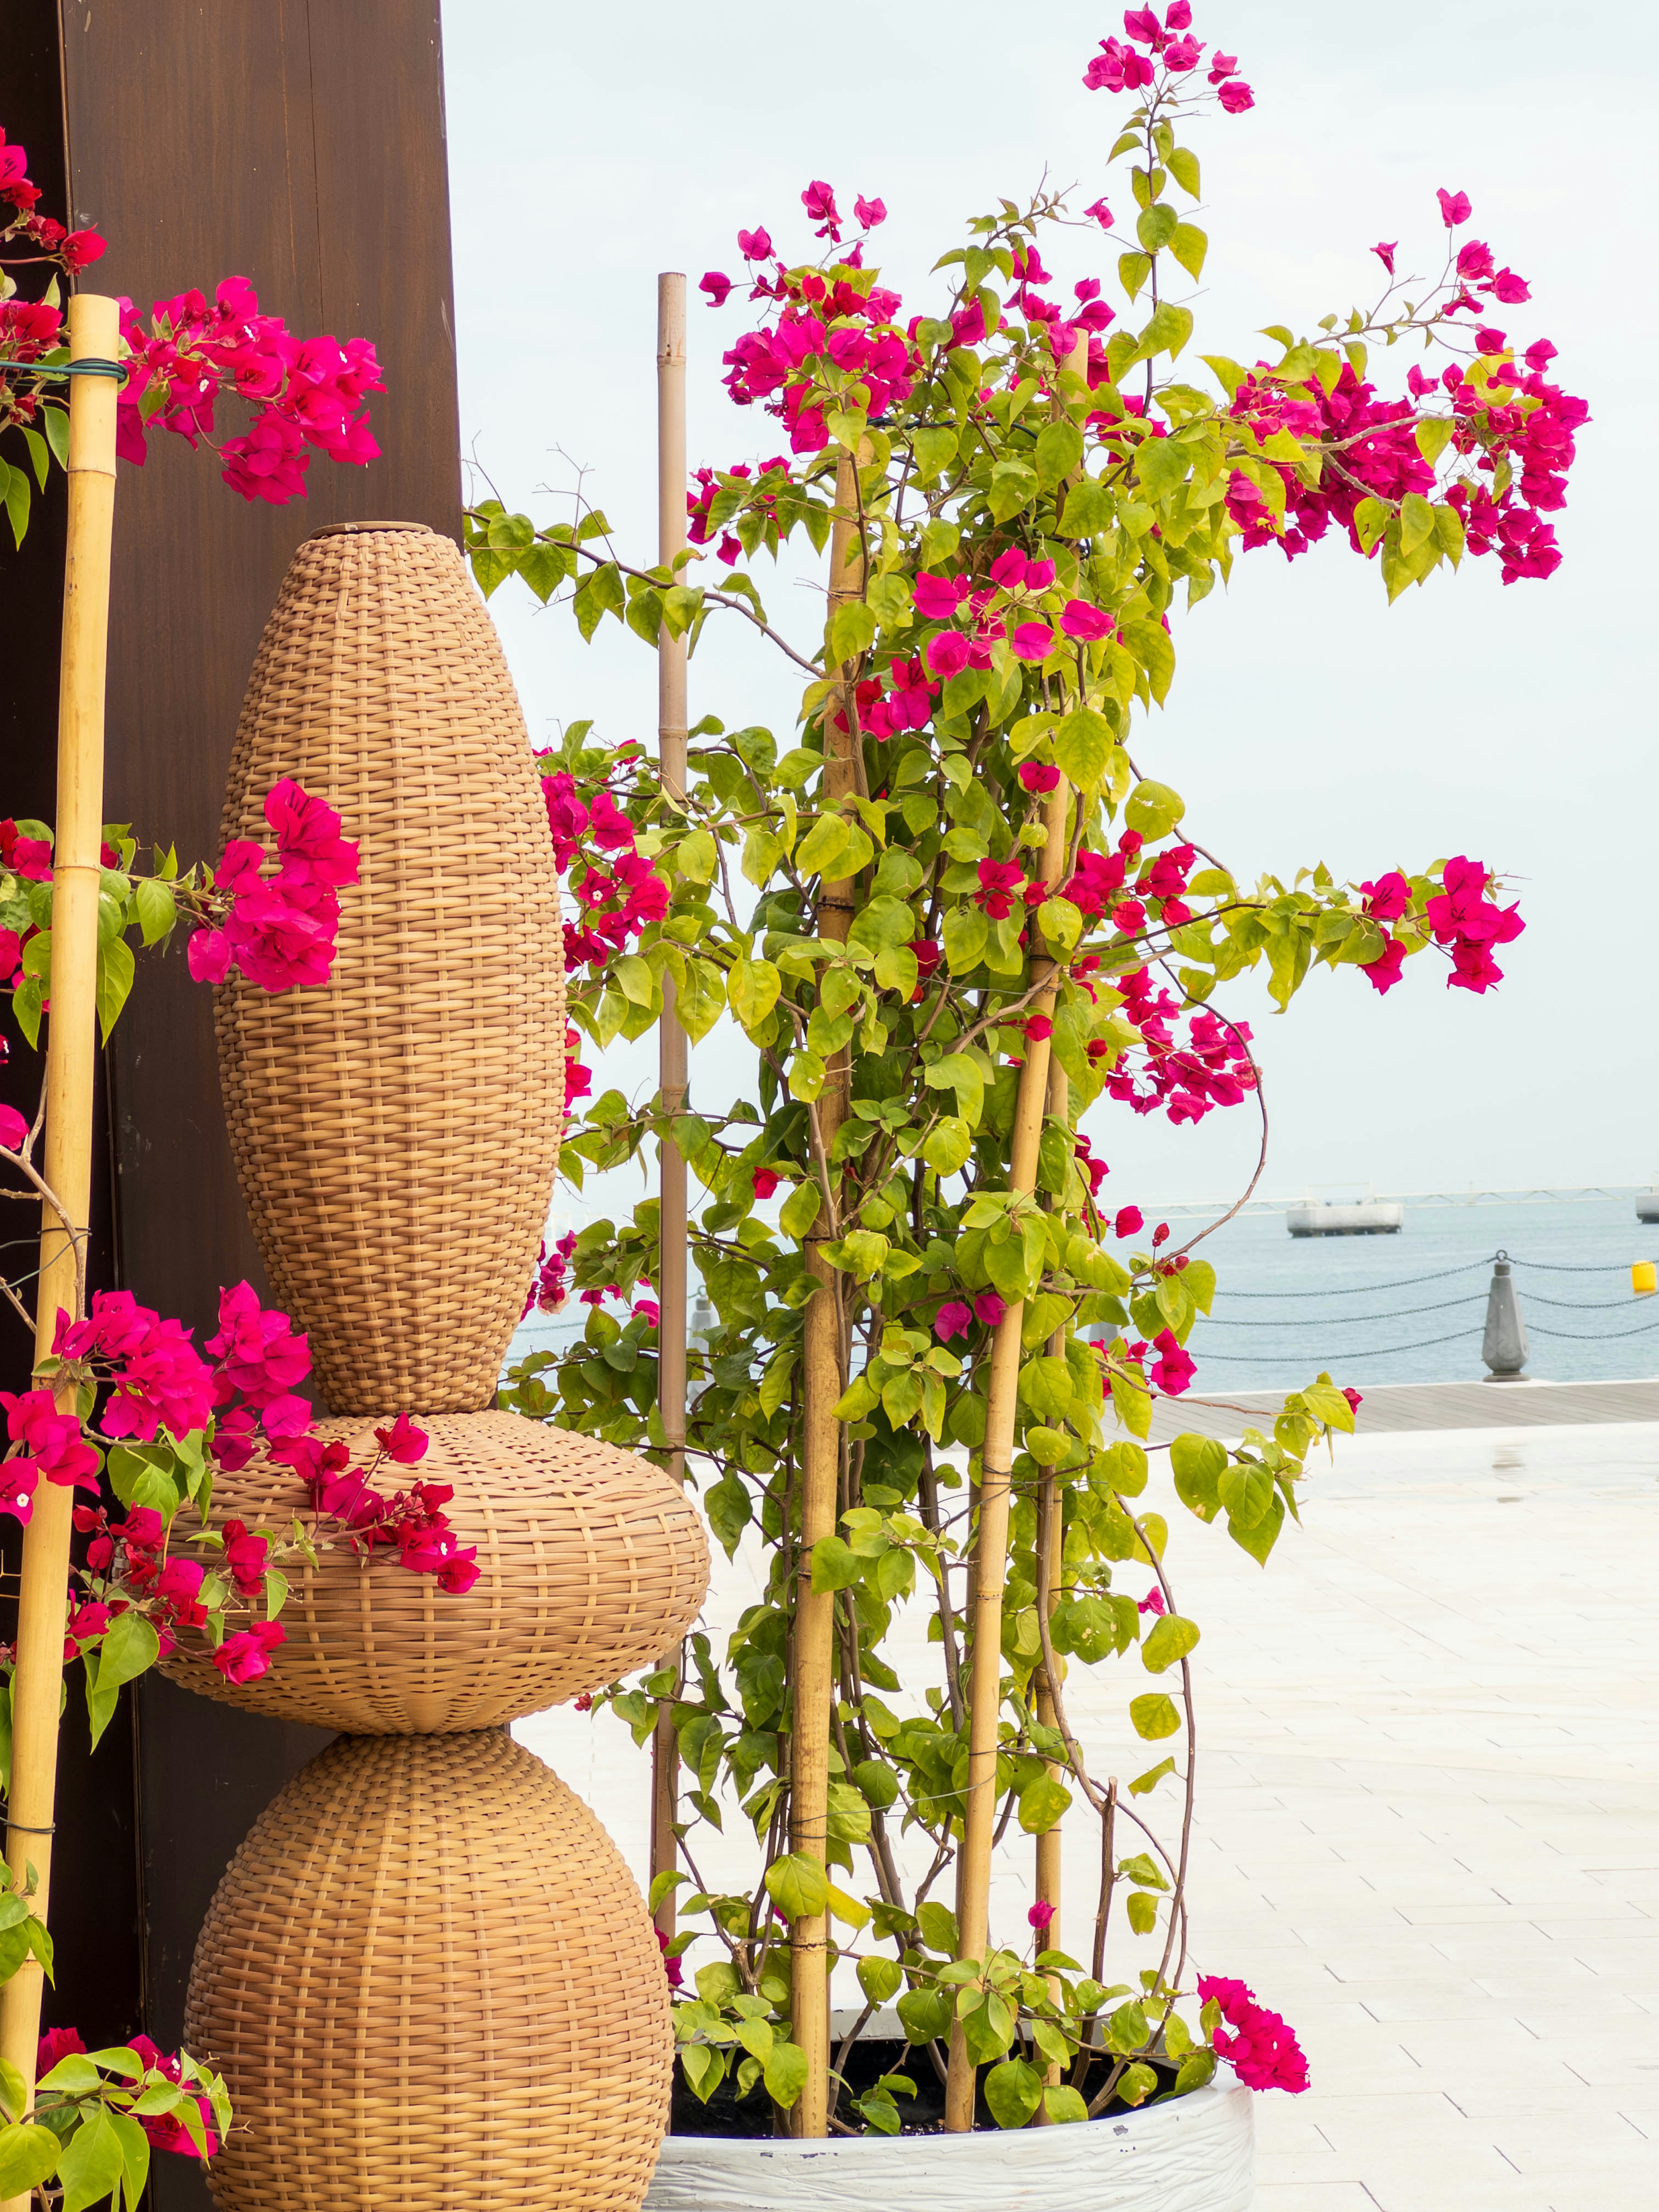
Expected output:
{"points": [[397, 1133], [591, 1563], [431, 1983]]}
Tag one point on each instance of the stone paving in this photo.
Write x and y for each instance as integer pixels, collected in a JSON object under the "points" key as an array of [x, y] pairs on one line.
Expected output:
{"points": [[1428, 1821]]}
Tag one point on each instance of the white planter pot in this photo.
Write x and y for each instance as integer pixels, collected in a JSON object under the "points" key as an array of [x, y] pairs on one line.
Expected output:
{"points": [[1196, 2154]]}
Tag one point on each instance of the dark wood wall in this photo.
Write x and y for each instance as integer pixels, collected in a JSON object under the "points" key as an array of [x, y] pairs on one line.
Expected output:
{"points": [[298, 143]]}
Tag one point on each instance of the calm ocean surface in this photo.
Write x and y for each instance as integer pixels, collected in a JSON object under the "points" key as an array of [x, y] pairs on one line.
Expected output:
{"points": [[1288, 1306]]}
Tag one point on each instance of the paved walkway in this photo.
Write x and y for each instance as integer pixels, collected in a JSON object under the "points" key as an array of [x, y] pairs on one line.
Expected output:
{"points": [[1390, 1408], [1428, 1816]]}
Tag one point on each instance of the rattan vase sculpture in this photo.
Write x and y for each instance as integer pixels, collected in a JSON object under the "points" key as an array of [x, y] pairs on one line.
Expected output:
{"points": [[428, 1976]]}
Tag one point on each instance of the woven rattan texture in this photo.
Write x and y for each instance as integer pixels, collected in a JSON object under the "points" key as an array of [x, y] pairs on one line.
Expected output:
{"points": [[431, 1983], [593, 1562], [397, 1133]]}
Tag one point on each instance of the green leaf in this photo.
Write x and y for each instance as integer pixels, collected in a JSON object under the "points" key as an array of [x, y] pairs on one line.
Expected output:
{"points": [[1153, 809], [1416, 522], [925, 2015], [1059, 451], [1195, 2073], [1089, 507], [115, 971], [753, 990], [881, 1979], [705, 2069], [127, 1651], [1189, 245], [835, 1565], [1155, 227], [799, 1210], [1042, 1803], [15, 492], [1172, 1639], [957, 1071], [1144, 1784], [934, 449], [90, 2165], [1182, 165], [1432, 433], [798, 1886], [965, 933], [938, 1927], [135, 2157], [1168, 332], [946, 1147], [852, 631], [1013, 2090], [1064, 2104], [55, 422], [28, 2156], [823, 845], [1137, 2084], [157, 909], [1154, 1715], [1133, 271], [1370, 520], [1083, 747], [1260, 1537], [784, 2071], [1150, 645], [1142, 1909]]}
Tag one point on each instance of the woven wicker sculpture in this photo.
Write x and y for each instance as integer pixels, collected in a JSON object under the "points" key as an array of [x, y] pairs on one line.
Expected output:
{"points": [[431, 1983], [592, 1563], [396, 1134], [428, 1976]]}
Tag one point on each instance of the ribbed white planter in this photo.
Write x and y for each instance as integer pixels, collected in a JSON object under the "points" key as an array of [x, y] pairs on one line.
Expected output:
{"points": [[1196, 2154]]}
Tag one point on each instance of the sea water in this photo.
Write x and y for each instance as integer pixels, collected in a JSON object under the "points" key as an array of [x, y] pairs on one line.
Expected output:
{"points": [[1407, 1308]]}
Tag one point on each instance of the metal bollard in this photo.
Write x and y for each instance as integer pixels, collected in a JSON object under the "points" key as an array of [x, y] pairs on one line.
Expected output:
{"points": [[1504, 1345]]}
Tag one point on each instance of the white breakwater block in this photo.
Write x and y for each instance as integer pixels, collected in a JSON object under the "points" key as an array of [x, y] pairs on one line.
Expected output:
{"points": [[1196, 2154]]}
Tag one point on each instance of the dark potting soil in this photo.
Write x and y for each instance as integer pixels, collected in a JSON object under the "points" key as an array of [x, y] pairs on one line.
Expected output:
{"points": [[727, 2114]]}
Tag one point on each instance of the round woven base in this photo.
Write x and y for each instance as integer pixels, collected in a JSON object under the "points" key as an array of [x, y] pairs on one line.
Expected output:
{"points": [[397, 1132], [593, 1563], [430, 1982]]}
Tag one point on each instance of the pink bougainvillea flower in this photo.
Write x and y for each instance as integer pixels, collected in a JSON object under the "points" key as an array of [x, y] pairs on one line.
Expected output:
{"points": [[58, 2042], [1101, 212], [990, 1307], [244, 1555], [1041, 1916], [1262, 2050], [1355, 1400], [938, 598], [1001, 882], [1385, 254], [947, 654], [765, 1181], [671, 1967], [1511, 288], [13, 1129], [1086, 623], [52, 1442], [1454, 208], [1389, 897], [1384, 972], [1152, 1602], [207, 955], [717, 286], [1033, 641], [952, 1320], [870, 212], [1130, 1221], [1173, 1370], [19, 1479], [1236, 96], [755, 244], [1034, 777], [402, 1442]]}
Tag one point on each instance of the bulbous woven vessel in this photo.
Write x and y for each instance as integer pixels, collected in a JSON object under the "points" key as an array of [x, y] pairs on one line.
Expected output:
{"points": [[430, 1982], [591, 1562], [397, 1132]]}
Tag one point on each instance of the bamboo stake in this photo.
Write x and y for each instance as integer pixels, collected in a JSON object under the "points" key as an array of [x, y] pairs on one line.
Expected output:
{"points": [[824, 1358], [991, 1542], [37, 1687], [674, 1061]]}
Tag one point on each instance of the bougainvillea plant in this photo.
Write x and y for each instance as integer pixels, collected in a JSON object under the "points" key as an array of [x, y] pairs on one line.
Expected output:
{"points": [[960, 874], [305, 394]]}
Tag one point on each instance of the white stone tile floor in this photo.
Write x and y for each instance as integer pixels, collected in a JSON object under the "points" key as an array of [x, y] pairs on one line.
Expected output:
{"points": [[1428, 1814]]}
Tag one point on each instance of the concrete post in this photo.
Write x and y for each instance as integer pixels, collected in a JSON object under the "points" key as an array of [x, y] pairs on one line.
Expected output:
{"points": [[1503, 1346]]}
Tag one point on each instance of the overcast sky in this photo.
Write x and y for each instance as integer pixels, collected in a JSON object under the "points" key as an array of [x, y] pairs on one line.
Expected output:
{"points": [[590, 149]]}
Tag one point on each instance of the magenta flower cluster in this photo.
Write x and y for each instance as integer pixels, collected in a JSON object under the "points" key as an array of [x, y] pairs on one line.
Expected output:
{"points": [[1171, 47], [281, 930], [306, 392], [1259, 2046]]}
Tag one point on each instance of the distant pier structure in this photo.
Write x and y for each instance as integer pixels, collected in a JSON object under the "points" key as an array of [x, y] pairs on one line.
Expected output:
{"points": [[1370, 1217]]}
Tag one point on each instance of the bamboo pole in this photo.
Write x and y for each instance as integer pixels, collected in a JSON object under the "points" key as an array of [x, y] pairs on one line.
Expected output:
{"points": [[37, 1687], [991, 1541], [673, 1065], [825, 1379], [1049, 1545]]}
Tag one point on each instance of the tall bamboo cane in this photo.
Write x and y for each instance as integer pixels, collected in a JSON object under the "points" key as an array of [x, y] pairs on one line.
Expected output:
{"points": [[37, 1687], [991, 1542], [673, 1065], [825, 1379]]}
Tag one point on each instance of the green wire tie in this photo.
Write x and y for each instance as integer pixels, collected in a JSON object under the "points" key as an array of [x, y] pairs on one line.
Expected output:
{"points": [[92, 366]]}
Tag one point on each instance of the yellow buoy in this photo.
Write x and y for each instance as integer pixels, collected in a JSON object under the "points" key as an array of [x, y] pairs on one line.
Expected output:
{"points": [[1644, 1277]]}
